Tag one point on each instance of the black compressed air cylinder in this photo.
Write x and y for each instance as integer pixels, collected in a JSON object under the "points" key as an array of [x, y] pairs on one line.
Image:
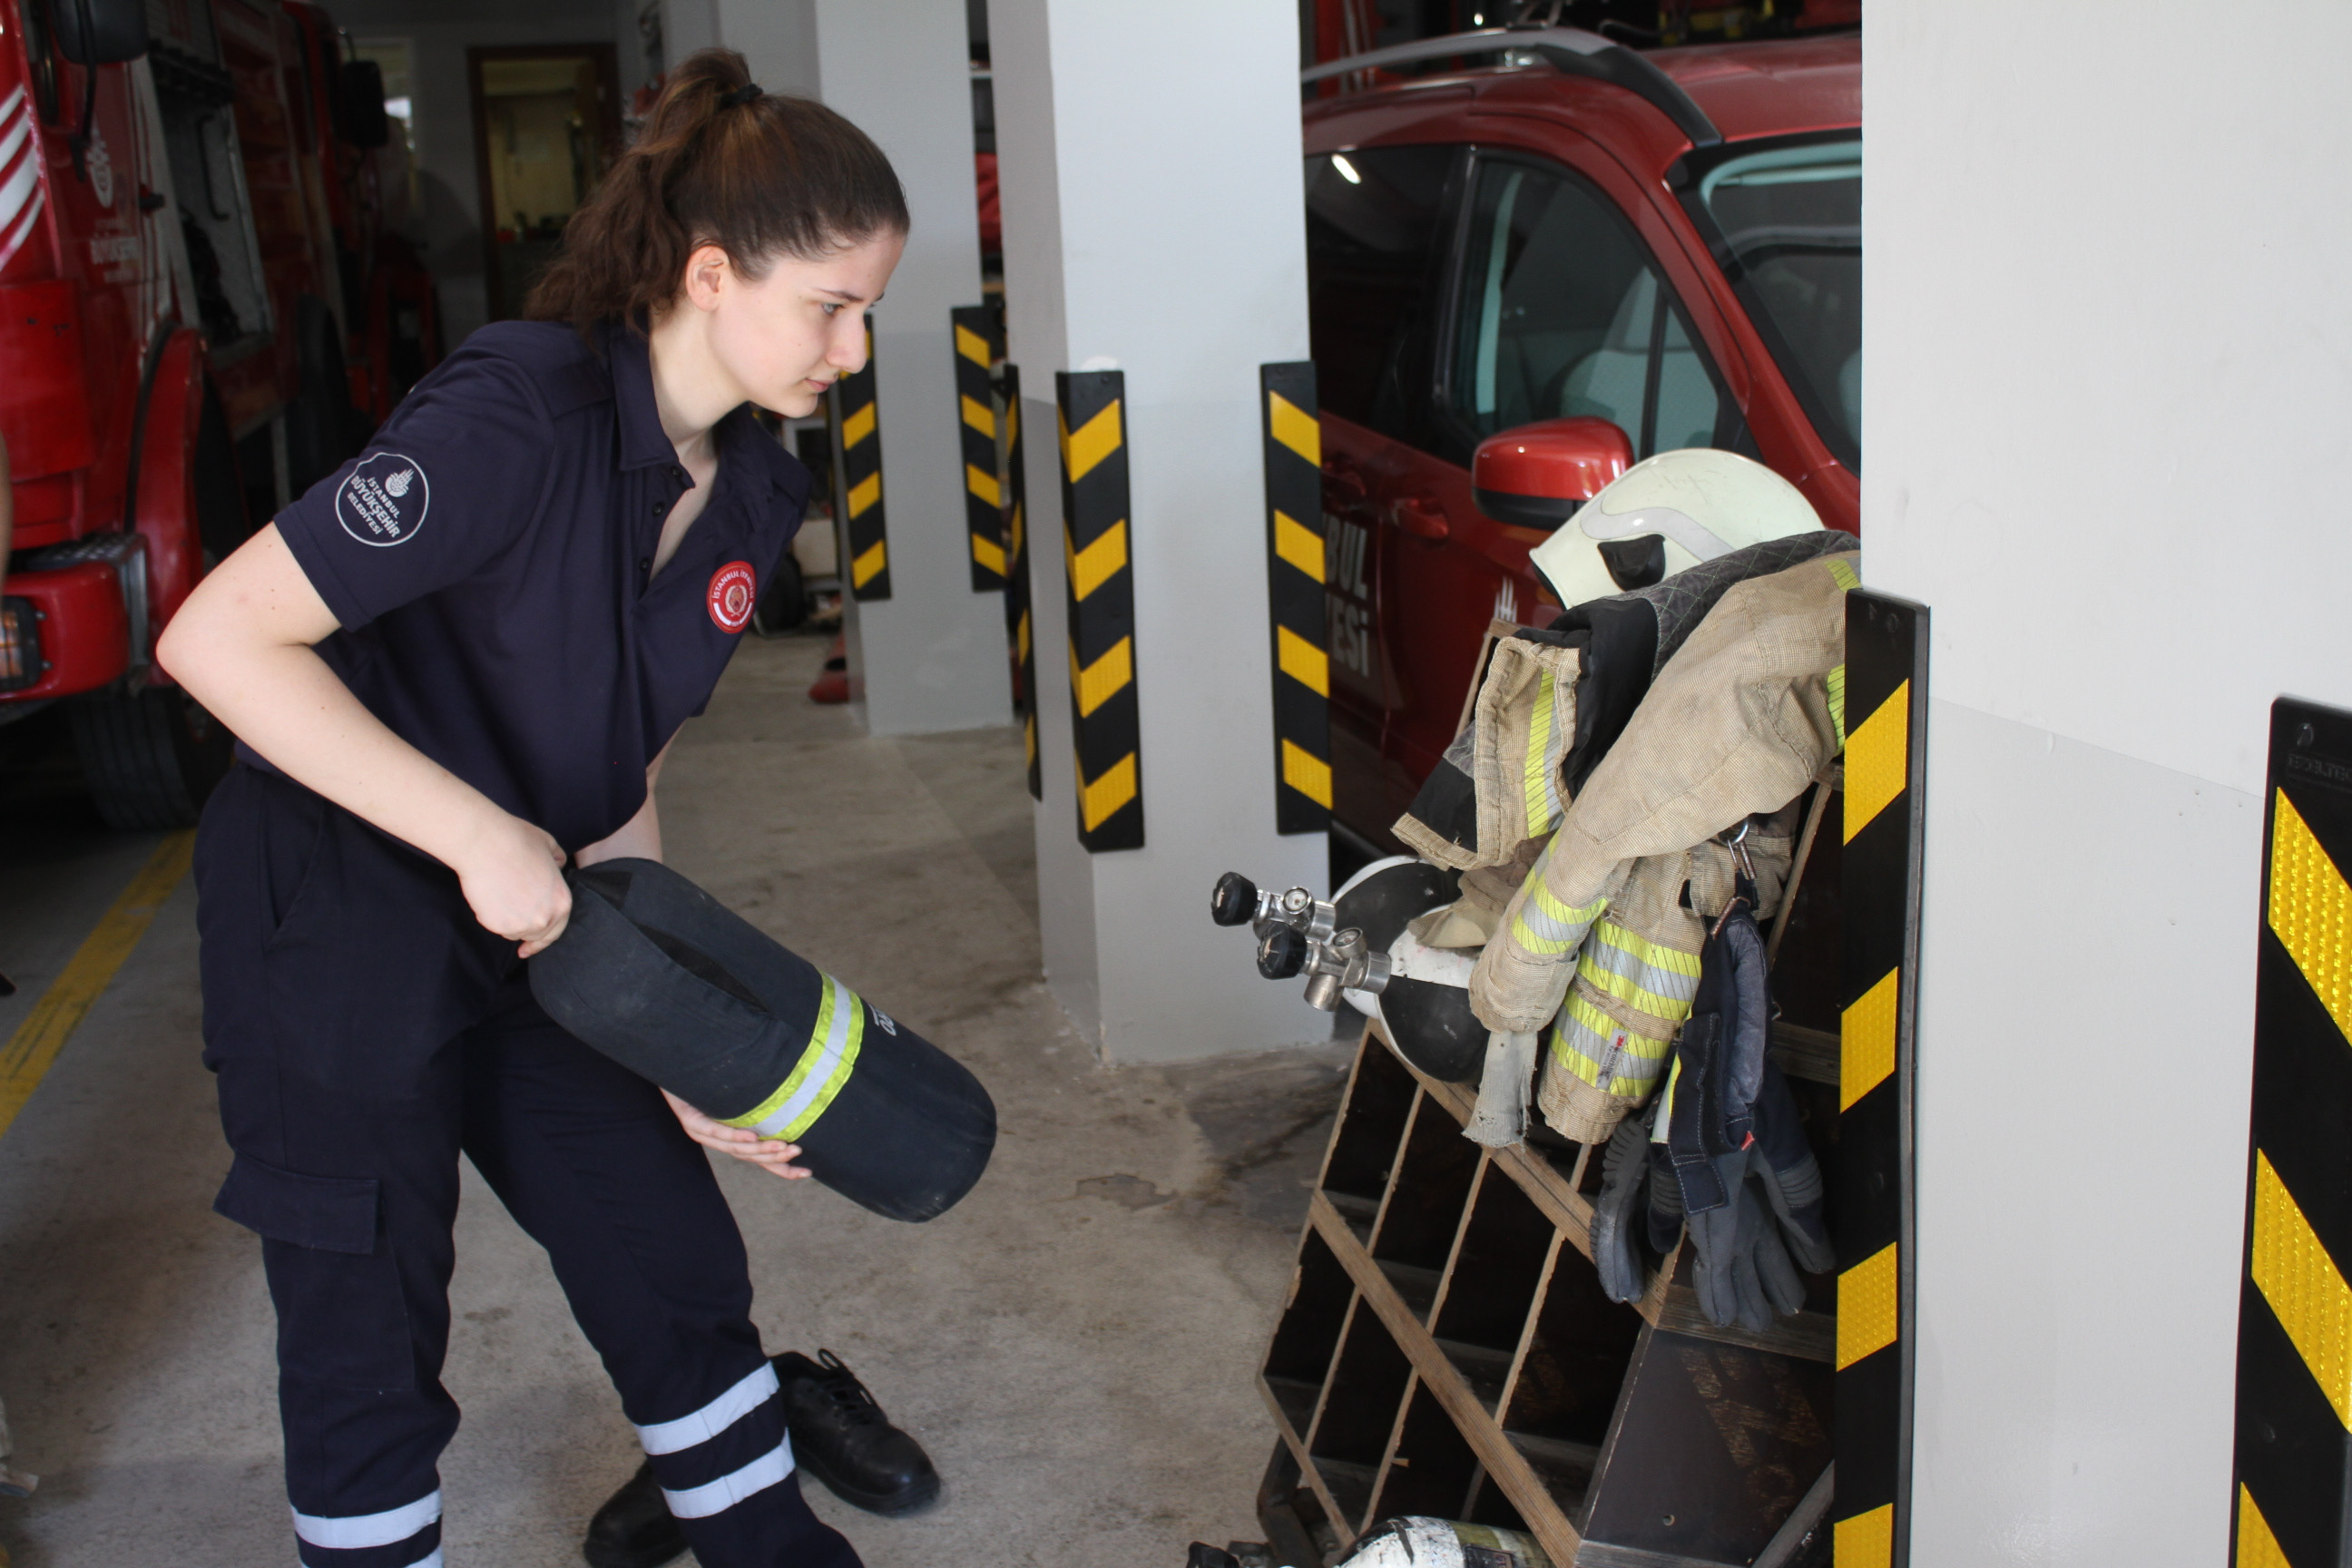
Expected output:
{"points": [[668, 982]]}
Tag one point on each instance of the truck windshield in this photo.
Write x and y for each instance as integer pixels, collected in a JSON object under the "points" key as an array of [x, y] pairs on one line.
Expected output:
{"points": [[1790, 219]]}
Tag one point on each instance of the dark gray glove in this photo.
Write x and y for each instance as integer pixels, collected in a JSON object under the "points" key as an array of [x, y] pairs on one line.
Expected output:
{"points": [[1741, 1267], [1618, 1217], [1749, 1251], [1788, 1175]]}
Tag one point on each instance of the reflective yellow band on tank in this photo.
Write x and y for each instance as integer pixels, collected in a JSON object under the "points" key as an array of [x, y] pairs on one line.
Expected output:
{"points": [[824, 1065]]}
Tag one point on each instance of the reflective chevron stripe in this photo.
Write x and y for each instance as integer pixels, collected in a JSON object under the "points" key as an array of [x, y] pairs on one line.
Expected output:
{"points": [[857, 480], [979, 344], [1106, 719], [1018, 589], [1878, 700], [1293, 447]]}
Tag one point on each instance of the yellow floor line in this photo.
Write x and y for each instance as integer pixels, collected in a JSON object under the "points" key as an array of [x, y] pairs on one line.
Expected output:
{"points": [[36, 1044]]}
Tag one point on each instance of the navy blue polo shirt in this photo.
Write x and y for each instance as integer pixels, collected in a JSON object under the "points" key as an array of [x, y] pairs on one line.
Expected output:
{"points": [[488, 559]]}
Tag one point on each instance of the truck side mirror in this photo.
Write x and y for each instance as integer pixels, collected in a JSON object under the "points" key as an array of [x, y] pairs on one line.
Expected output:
{"points": [[99, 32], [1538, 475], [364, 121]]}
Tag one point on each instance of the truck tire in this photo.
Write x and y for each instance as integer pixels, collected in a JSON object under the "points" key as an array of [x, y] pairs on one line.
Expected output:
{"points": [[151, 757]]}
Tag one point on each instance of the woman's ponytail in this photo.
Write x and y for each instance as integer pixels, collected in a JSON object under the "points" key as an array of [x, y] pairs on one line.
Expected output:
{"points": [[718, 162]]}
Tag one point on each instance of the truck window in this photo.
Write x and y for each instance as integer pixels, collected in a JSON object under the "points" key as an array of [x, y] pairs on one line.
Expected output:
{"points": [[1371, 231], [1791, 217], [1561, 312]]}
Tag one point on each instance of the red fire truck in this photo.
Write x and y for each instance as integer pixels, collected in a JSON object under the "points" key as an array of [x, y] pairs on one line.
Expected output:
{"points": [[200, 315]]}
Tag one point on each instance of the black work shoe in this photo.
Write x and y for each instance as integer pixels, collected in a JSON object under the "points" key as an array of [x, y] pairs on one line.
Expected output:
{"points": [[841, 1437], [634, 1528]]}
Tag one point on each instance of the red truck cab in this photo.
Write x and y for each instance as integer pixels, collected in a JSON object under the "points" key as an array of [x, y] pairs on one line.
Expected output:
{"points": [[1670, 241], [172, 293]]}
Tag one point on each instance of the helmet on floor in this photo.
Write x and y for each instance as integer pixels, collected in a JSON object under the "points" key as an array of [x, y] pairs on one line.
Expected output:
{"points": [[675, 987], [1663, 515]]}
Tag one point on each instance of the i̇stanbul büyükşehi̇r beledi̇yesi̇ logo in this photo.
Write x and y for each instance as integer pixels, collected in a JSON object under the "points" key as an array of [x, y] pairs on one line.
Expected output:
{"points": [[384, 499]]}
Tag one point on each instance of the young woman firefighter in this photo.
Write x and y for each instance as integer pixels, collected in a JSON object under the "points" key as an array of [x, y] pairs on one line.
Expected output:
{"points": [[451, 666]]}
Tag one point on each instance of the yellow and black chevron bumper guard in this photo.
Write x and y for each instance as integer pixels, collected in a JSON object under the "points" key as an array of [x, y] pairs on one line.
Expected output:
{"points": [[1885, 687], [1104, 714], [2293, 1491], [1019, 591], [857, 483], [1294, 567], [979, 345]]}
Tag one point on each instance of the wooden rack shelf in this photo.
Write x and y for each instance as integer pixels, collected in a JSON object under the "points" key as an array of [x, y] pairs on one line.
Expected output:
{"points": [[1446, 1349]]}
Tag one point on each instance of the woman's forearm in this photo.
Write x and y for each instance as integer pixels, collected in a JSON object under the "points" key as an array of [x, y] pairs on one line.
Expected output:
{"points": [[289, 707]]}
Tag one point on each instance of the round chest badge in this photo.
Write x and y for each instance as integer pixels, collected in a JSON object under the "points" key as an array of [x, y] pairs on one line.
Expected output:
{"points": [[733, 591], [384, 502]]}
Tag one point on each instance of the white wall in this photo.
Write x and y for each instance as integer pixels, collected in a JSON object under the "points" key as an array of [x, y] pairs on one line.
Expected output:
{"points": [[1153, 219], [2109, 373], [931, 656]]}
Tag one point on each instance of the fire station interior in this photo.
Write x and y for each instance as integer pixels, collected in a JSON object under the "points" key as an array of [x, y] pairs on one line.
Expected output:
{"points": [[1552, 971]]}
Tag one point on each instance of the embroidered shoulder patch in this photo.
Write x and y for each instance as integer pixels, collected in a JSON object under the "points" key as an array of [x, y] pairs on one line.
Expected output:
{"points": [[384, 500]]}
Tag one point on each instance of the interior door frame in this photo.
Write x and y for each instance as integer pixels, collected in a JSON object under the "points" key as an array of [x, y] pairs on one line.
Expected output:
{"points": [[608, 93]]}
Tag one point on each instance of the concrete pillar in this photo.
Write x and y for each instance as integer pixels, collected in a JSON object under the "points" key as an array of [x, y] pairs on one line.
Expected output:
{"points": [[1153, 224], [2100, 435], [931, 656]]}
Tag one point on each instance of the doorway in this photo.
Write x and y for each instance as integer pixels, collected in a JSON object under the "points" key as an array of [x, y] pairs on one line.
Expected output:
{"points": [[547, 122]]}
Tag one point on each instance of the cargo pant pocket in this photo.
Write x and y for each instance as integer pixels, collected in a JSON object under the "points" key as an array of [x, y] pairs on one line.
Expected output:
{"points": [[343, 1315]]}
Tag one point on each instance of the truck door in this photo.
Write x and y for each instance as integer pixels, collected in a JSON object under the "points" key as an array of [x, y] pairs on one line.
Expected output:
{"points": [[1556, 308], [1374, 219]]}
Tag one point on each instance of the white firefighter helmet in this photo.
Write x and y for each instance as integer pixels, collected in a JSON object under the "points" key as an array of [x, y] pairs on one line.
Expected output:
{"points": [[1666, 514]]}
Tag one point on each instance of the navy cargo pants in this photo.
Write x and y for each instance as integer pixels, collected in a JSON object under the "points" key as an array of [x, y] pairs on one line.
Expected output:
{"points": [[366, 1031]]}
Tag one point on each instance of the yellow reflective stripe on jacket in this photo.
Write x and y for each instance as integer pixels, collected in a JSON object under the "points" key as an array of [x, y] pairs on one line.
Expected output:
{"points": [[1843, 572], [1542, 767], [1837, 704], [1545, 925], [1603, 1052], [1660, 980], [830, 1056]]}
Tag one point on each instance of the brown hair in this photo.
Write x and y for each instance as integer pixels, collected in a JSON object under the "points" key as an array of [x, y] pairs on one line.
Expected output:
{"points": [[756, 176]]}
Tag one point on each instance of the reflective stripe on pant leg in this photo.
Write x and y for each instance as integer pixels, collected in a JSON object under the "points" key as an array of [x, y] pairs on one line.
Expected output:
{"points": [[348, 1530], [1603, 1052], [717, 1497], [331, 1540], [687, 1431], [1660, 980]]}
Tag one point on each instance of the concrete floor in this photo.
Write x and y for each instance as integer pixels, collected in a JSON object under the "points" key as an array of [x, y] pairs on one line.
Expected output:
{"points": [[1074, 1344]]}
